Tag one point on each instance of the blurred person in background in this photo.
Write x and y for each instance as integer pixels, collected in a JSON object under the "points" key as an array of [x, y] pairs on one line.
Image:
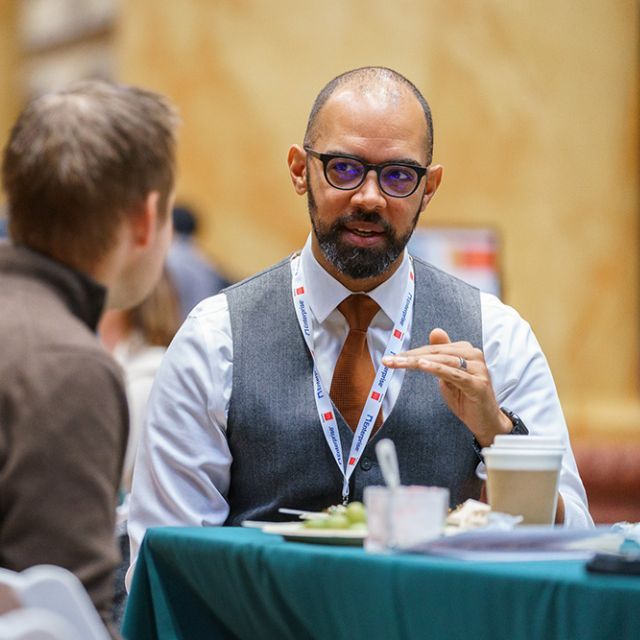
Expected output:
{"points": [[89, 176], [255, 408], [137, 338], [193, 274], [3, 223]]}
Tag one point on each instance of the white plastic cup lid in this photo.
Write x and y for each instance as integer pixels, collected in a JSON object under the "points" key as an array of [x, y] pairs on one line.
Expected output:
{"points": [[534, 442], [526, 459]]}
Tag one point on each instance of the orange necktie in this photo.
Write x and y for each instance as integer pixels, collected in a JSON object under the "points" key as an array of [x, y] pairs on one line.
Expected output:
{"points": [[354, 373]]}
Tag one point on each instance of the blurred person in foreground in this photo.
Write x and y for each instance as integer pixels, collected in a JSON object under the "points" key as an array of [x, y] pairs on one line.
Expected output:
{"points": [[194, 276], [253, 408], [89, 177]]}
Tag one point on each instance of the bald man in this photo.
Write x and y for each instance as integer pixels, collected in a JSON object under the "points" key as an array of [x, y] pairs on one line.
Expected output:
{"points": [[268, 417]]}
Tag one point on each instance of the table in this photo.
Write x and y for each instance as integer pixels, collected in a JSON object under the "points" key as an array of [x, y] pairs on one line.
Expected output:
{"points": [[233, 583]]}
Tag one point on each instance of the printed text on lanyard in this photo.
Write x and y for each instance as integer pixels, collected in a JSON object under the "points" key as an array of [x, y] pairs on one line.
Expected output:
{"points": [[395, 344]]}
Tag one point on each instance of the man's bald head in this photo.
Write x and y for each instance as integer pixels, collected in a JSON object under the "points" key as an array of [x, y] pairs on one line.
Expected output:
{"points": [[388, 83]]}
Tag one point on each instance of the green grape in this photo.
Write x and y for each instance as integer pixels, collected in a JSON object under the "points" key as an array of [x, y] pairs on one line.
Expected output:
{"points": [[316, 523], [338, 521], [337, 509], [356, 513], [353, 516]]}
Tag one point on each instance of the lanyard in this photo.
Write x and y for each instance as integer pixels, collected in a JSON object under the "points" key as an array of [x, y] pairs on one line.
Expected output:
{"points": [[395, 344]]}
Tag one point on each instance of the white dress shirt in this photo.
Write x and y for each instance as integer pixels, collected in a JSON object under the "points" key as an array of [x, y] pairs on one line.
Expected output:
{"points": [[183, 465]]}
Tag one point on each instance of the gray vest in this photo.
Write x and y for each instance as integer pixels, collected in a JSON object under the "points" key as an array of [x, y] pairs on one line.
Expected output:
{"points": [[280, 455]]}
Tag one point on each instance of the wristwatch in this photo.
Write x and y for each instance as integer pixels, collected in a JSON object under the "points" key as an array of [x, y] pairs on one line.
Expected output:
{"points": [[519, 429]]}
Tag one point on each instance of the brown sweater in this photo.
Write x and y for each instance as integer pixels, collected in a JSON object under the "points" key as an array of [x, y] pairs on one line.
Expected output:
{"points": [[63, 424]]}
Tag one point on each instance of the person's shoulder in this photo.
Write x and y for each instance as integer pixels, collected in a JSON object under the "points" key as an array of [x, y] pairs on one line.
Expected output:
{"points": [[89, 369], [492, 305], [502, 322], [71, 344], [209, 309], [423, 267], [80, 359], [254, 294], [64, 387], [261, 278], [47, 336]]}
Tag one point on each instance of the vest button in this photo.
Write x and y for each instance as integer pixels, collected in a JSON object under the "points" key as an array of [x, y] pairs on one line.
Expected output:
{"points": [[365, 463]]}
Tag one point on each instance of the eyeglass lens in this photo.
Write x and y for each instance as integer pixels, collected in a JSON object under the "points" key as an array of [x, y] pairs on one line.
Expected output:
{"points": [[348, 173]]}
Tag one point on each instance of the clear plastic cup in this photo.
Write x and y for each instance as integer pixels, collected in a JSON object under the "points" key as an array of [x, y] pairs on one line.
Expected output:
{"points": [[404, 517]]}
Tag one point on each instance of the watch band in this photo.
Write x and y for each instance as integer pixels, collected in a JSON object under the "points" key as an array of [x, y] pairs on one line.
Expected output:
{"points": [[519, 429]]}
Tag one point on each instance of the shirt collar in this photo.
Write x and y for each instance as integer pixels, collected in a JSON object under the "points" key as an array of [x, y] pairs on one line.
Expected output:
{"points": [[325, 293]]}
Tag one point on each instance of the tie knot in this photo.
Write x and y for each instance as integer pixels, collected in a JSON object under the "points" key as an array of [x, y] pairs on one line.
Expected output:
{"points": [[358, 310]]}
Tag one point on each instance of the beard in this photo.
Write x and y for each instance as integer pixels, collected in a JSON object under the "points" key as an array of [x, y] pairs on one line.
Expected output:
{"points": [[358, 263]]}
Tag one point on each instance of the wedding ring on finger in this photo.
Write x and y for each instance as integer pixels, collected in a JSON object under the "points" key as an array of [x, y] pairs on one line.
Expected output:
{"points": [[463, 363]]}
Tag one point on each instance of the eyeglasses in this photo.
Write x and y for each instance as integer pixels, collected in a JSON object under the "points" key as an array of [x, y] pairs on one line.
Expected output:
{"points": [[345, 172]]}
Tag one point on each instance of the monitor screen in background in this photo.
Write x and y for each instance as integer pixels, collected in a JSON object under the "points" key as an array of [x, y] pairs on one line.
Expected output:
{"points": [[469, 253]]}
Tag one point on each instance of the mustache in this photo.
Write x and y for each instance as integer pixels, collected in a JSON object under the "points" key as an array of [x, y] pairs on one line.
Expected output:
{"points": [[360, 215]]}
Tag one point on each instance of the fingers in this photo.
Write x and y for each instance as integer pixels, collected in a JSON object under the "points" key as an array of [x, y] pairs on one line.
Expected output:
{"points": [[439, 336], [449, 369], [454, 350], [433, 361], [453, 370], [463, 378], [456, 364]]}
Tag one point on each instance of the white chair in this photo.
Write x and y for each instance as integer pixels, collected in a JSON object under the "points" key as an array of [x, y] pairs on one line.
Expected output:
{"points": [[58, 592], [36, 624]]}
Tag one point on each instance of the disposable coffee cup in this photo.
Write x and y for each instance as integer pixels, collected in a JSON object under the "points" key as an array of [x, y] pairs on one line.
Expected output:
{"points": [[523, 481], [403, 517]]}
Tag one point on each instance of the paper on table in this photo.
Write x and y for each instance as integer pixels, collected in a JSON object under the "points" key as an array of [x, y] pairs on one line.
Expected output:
{"points": [[523, 544]]}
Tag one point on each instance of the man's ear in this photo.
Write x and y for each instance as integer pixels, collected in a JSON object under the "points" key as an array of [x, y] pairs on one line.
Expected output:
{"points": [[433, 182], [297, 161], [144, 221]]}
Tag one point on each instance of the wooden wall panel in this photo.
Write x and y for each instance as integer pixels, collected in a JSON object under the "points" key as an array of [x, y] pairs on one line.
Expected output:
{"points": [[536, 114], [10, 100]]}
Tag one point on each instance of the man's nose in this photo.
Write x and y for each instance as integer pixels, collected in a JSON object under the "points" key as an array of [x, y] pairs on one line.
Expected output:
{"points": [[369, 195]]}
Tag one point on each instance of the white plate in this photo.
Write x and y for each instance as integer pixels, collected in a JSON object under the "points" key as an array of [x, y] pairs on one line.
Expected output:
{"points": [[297, 532]]}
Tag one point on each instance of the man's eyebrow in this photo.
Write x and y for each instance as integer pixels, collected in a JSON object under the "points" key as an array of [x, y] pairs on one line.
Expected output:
{"points": [[344, 154], [408, 161]]}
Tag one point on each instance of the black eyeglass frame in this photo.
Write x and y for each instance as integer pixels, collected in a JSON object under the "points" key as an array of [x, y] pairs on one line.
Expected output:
{"points": [[325, 158]]}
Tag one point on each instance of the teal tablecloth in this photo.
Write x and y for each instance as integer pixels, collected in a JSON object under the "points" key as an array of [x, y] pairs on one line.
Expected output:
{"points": [[242, 583]]}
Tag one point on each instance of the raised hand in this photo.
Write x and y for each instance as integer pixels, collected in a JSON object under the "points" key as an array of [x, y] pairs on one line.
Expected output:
{"points": [[465, 383]]}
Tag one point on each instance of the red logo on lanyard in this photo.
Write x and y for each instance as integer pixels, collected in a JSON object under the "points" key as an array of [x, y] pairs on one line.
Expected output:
{"points": [[397, 334], [328, 416], [352, 460], [411, 274], [299, 291], [375, 395]]}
